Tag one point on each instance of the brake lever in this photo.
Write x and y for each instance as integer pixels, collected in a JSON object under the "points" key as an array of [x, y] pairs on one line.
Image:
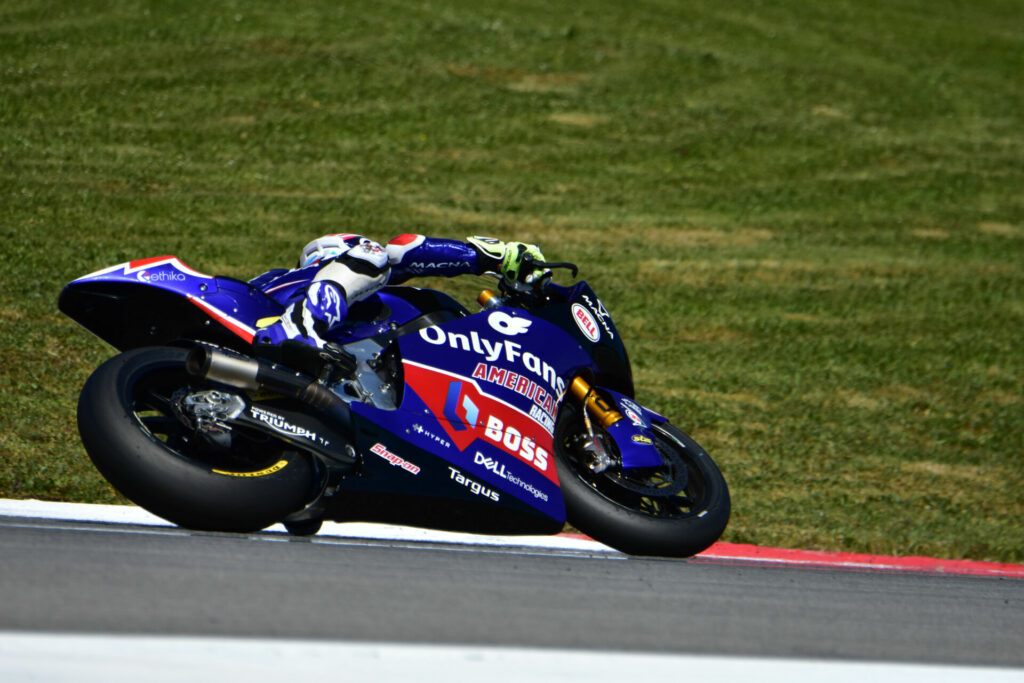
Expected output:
{"points": [[559, 264], [530, 264]]}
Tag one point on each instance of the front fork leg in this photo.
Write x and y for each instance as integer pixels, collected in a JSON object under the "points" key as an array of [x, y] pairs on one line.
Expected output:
{"points": [[593, 403]]}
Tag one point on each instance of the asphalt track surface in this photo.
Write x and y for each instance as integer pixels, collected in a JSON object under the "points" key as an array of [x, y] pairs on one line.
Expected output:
{"points": [[78, 577]]}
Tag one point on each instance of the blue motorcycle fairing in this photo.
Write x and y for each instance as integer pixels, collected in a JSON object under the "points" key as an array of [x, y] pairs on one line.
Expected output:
{"points": [[588, 322], [484, 391], [638, 414], [634, 434], [161, 300], [508, 482]]}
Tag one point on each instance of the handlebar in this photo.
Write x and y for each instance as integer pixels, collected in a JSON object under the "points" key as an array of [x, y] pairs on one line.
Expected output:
{"points": [[537, 288], [552, 264]]}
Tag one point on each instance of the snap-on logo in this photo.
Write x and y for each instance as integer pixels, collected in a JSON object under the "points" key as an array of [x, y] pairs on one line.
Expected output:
{"points": [[586, 322], [395, 460]]}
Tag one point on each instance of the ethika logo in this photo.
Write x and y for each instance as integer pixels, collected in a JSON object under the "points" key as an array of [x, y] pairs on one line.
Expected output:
{"points": [[160, 276]]}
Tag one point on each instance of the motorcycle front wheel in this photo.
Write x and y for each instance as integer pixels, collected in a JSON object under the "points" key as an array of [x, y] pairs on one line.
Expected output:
{"points": [[675, 510], [133, 429]]}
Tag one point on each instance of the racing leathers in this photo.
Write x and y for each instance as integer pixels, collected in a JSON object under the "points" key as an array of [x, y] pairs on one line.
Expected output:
{"points": [[336, 271]]}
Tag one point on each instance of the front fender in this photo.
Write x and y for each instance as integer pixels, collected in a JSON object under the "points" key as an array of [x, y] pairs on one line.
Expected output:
{"points": [[634, 434]]}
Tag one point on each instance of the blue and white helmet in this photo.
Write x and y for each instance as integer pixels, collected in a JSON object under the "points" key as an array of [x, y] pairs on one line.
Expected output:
{"points": [[324, 248]]}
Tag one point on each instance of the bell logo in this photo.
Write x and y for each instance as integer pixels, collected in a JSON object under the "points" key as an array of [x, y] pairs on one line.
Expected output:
{"points": [[507, 324], [585, 321]]}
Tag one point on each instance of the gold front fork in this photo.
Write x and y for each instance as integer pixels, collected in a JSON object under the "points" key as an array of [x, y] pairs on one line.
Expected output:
{"points": [[596, 405]]}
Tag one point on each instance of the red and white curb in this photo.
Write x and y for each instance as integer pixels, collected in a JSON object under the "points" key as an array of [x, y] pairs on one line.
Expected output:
{"points": [[718, 553], [106, 658]]}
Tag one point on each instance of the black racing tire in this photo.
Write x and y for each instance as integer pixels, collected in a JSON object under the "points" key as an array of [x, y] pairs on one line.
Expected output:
{"points": [[123, 411], [307, 527], [679, 525]]}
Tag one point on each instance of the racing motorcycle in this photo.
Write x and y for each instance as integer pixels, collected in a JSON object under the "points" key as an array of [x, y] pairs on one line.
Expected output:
{"points": [[513, 418]]}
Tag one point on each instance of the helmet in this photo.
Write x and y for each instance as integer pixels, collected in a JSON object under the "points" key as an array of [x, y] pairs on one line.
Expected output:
{"points": [[323, 248]]}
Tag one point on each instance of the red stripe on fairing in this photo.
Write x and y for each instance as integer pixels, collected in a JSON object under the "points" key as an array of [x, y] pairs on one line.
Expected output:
{"points": [[244, 331], [432, 386], [142, 263], [287, 284], [172, 261]]}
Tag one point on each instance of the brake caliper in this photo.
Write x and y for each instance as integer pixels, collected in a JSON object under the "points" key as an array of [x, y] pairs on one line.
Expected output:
{"points": [[208, 411]]}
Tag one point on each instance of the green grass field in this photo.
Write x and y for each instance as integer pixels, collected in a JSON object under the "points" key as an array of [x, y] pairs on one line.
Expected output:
{"points": [[806, 218]]}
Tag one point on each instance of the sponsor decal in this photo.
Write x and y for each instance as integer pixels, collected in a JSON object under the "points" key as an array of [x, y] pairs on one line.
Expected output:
{"points": [[159, 276], [633, 412], [396, 461], [543, 419], [459, 408], [276, 467], [420, 267], [427, 434], [641, 439], [507, 324], [586, 322], [467, 415], [505, 349], [521, 384], [499, 469], [133, 267], [634, 418], [476, 487], [602, 314], [283, 426], [368, 247], [513, 441]]}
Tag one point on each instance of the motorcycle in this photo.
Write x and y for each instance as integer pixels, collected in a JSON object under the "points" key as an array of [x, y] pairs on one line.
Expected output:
{"points": [[511, 419]]}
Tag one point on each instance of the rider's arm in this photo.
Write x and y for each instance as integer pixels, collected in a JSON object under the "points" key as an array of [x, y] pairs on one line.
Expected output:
{"points": [[417, 255]]}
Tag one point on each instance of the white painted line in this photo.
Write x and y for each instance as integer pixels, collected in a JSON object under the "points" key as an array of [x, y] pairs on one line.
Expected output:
{"points": [[155, 659], [129, 514]]}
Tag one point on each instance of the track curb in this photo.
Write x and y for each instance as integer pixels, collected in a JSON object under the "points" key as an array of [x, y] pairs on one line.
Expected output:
{"points": [[719, 553]]}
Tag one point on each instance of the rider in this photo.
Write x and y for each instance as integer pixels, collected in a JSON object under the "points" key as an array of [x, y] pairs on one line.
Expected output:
{"points": [[335, 271]]}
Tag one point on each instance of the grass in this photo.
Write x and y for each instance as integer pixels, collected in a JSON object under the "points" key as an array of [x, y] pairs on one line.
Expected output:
{"points": [[807, 220]]}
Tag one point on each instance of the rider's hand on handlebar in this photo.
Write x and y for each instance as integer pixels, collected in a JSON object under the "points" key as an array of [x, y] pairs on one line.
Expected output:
{"points": [[517, 263], [513, 260]]}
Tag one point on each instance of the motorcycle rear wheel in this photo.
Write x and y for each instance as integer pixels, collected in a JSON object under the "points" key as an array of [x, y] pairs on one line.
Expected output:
{"points": [[676, 510], [144, 447]]}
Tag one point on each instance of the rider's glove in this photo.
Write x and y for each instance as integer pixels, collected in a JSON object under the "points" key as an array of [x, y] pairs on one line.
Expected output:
{"points": [[507, 258]]}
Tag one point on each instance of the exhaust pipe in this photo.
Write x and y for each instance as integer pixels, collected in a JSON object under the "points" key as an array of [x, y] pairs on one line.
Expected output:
{"points": [[249, 373]]}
